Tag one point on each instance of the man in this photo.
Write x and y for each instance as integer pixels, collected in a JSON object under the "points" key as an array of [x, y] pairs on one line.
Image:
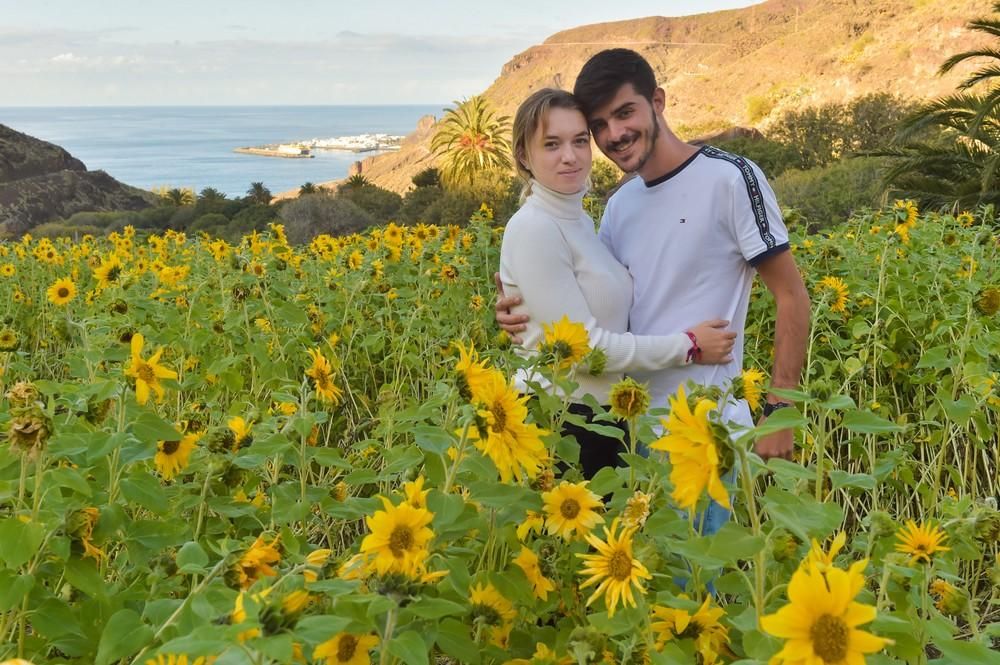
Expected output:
{"points": [[692, 229]]}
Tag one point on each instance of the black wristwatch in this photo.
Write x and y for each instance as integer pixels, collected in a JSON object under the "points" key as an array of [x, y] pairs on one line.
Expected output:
{"points": [[771, 407]]}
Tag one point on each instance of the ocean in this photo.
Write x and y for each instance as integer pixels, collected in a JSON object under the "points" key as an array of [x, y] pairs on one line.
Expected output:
{"points": [[192, 146]]}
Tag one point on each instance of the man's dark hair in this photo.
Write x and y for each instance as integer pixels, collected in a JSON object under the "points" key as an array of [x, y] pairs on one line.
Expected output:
{"points": [[606, 72]]}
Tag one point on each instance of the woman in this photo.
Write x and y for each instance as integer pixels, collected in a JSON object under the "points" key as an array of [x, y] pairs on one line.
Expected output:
{"points": [[551, 258]]}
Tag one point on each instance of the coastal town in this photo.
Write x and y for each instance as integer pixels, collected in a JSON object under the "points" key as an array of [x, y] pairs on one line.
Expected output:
{"points": [[304, 149]]}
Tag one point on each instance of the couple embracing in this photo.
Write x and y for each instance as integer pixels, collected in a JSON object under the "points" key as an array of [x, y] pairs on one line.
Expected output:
{"points": [[679, 244]]}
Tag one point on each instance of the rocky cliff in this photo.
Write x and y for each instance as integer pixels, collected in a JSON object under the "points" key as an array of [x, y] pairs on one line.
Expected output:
{"points": [[745, 67], [41, 182]]}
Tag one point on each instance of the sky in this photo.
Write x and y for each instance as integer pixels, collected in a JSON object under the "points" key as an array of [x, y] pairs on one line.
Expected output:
{"points": [[251, 52]]}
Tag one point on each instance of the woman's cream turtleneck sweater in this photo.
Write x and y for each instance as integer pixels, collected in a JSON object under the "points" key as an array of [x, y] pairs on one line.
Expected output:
{"points": [[552, 258]]}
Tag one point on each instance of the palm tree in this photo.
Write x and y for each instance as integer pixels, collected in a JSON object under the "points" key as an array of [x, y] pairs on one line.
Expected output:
{"points": [[259, 194], [471, 139], [988, 73], [178, 196], [211, 195], [947, 152], [357, 181], [307, 188]]}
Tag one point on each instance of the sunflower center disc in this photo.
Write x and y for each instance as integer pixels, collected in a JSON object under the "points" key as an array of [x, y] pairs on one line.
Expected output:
{"points": [[146, 373], [400, 540], [620, 565], [569, 508], [346, 647], [829, 638], [499, 417], [170, 447]]}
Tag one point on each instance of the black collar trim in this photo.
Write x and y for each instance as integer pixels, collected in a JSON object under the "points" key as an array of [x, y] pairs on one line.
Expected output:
{"points": [[668, 176]]}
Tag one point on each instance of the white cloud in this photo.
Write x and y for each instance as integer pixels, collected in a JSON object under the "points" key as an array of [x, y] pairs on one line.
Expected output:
{"points": [[66, 57]]}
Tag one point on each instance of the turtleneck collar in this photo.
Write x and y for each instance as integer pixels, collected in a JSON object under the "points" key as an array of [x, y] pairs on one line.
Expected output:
{"points": [[560, 206]]}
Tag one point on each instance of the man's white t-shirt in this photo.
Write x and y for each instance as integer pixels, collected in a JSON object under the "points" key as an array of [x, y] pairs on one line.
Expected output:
{"points": [[691, 239]]}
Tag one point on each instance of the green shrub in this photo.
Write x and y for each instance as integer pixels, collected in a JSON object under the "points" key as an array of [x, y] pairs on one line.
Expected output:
{"points": [[380, 203], [100, 220], [604, 177], [416, 202], [65, 230], [254, 217], [828, 195], [212, 220], [773, 157], [315, 214]]}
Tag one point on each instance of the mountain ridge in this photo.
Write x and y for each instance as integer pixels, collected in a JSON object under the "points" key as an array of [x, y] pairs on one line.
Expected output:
{"points": [[743, 67]]}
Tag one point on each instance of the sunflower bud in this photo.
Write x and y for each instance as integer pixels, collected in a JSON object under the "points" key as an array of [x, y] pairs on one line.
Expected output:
{"points": [[948, 599], [586, 645], [881, 524], [629, 399], [28, 432], [502, 340], [22, 394], [97, 410], [597, 362], [784, 546], [988, 301], [987, 525], [544, 481]]}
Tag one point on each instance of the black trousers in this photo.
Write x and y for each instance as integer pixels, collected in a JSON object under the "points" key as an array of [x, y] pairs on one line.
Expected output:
{"points": [[596, 450]]}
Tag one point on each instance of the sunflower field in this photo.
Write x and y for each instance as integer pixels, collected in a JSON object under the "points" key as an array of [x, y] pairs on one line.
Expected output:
{"points": [[265, 453]]}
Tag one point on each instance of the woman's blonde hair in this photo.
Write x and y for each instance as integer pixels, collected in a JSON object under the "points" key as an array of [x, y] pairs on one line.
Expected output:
{"points": [[531, 115]]}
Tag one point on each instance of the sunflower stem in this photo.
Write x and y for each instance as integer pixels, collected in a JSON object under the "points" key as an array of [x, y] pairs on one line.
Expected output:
{"points": [[746, 480], [458, 458], [390, 626]]}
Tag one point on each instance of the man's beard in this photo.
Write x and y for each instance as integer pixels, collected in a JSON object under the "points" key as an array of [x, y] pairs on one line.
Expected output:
{"points": [[653, 136]]}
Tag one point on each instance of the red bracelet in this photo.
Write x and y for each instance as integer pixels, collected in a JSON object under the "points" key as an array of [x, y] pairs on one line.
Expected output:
{"points": [[694, 353]]}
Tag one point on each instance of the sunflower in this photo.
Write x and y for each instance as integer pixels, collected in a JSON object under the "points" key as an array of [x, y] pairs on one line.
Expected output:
{"points": [[614, 568], [636, 510], [62, 291], [8, 340], [172, 456], [838, 289], [527, 561], [242, 432], [256, 561], [398, 539], [629, 399], [820, 622], [355, 259], [570, 508], [694, 452], [346, 649], [921, 542], [532, 523], [492, 609], [821, 560], [108, 272], [501, 432], [415, 493], [321, 372], [709, 636], [566, 340], [8, 270], [749, 386], [316, 560], [449, 273], [168, 659], [147, 373], [472, 372]]}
